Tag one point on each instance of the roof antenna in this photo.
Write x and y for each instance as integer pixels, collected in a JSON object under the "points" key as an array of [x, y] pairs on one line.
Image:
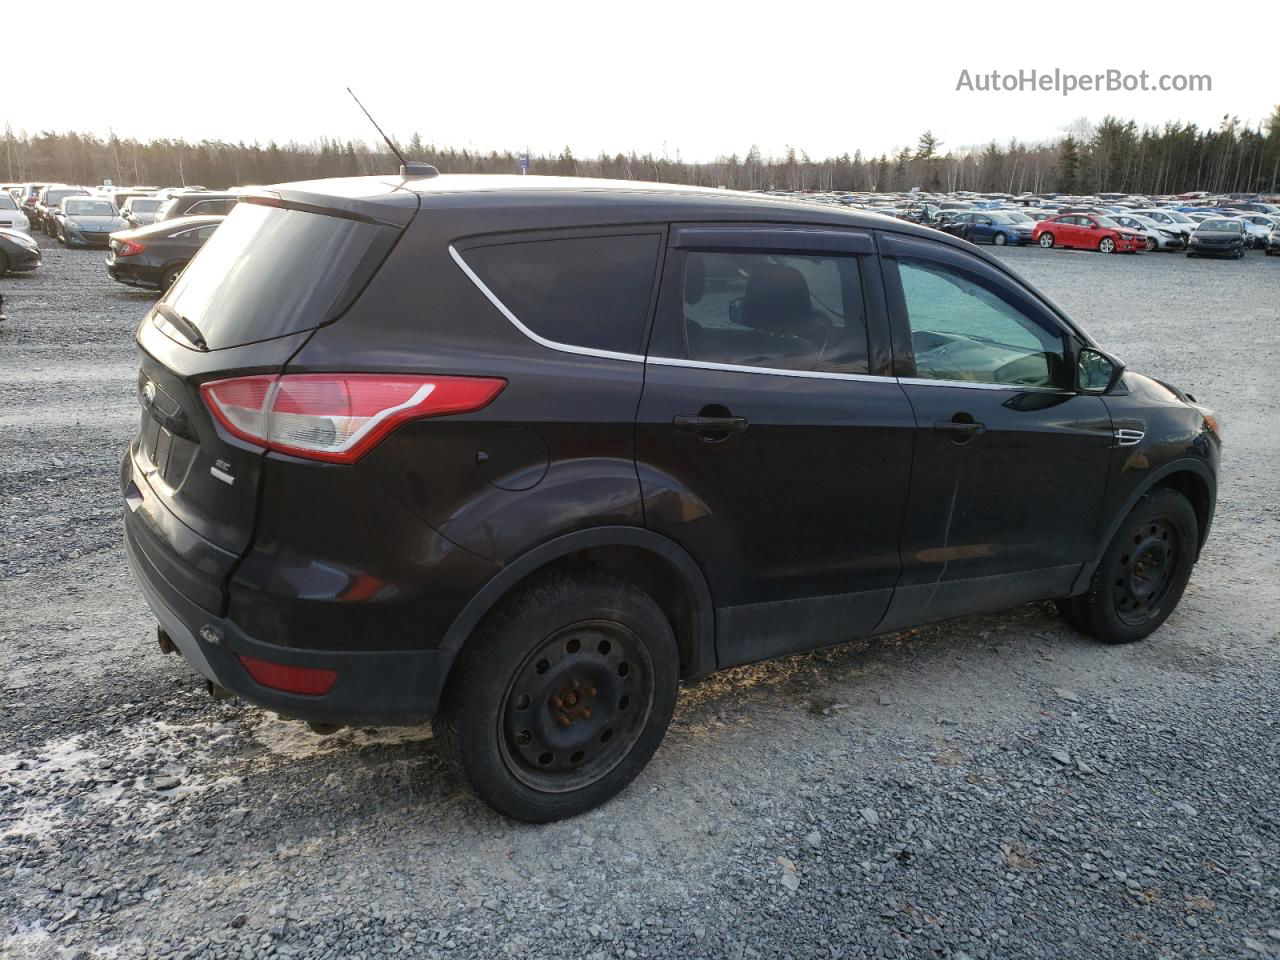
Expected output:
{"points": [[409, 169]]}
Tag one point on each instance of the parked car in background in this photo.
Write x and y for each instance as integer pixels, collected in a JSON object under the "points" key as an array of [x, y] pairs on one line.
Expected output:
{"points": [[1155, 236], [19, 252], [140, 211], [27, 200], [1169, 220], [51, 198], [86, 221], [1087, 231], [196, 204], [11, 215], [154, 255], [122, 195], [1273, 241], [338, 518], [1218, 237], [1257, 228], [998, 228]]}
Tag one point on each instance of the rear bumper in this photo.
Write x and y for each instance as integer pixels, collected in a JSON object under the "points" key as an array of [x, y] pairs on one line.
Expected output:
{"points": [[133, 275], [386, 687], [181, 585]]}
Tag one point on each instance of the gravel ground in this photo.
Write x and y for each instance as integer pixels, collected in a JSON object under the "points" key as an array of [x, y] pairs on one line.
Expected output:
{"points": [[991, 787]]}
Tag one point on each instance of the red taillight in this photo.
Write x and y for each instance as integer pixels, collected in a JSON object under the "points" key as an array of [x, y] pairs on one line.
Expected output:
{"points": [[278, 676], [337, 417], [128, 248]]}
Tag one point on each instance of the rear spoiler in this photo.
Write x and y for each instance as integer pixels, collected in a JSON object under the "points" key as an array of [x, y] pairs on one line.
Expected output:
{"points": [[395, 208]]}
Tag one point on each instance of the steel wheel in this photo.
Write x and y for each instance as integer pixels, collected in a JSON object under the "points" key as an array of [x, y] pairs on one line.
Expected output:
{"points": [[1145, 574], [576, 706], [1150, 244], [1000, 240], [1106, 245], [1046, 240]]}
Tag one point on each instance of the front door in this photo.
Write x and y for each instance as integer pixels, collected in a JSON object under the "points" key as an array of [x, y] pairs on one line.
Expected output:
{"points": [[1010, 463], [770, 441]]}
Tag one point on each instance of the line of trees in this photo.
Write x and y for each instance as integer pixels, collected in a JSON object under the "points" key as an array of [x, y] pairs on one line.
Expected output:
{"points": [[1112, 155]]}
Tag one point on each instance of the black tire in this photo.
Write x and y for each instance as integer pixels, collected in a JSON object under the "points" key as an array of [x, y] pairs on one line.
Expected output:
{"points": [[1046, 240], [999, 239], [170, 274], [1150, 244], [1106, 245], [1143, 573], [507, 723]]}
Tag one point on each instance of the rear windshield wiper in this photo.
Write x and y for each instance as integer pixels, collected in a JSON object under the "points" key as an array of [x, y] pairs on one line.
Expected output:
{"points": [[182, 325]]}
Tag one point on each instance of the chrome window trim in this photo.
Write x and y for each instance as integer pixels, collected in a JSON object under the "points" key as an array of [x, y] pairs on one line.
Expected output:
{"points": [[550, 344], [974, 385], [775, 371], [726, 367]]}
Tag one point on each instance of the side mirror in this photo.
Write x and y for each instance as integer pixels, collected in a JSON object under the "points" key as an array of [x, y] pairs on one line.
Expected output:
{"points": [[1096, 372]]}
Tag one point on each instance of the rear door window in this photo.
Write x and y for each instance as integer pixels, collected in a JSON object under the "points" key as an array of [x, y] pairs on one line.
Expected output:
{"points": [[779, 311], [577, 292]]}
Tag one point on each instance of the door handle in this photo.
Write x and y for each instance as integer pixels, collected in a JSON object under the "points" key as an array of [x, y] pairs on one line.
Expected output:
{"points": [[701, 424], [959, 427], [962, 427]]}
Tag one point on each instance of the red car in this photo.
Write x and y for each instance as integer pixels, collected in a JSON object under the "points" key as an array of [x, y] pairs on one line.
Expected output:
{"points": [[1087, 231]]}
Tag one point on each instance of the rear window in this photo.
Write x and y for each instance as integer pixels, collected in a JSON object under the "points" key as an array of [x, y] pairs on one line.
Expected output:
{"points": [[584, 291], [267, 272]]}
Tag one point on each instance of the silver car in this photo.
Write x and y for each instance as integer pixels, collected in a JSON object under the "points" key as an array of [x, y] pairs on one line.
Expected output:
{"points": [[1157, 236]]}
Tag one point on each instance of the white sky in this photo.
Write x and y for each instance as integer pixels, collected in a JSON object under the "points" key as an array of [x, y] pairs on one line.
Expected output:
{"points": [[701, 78]]}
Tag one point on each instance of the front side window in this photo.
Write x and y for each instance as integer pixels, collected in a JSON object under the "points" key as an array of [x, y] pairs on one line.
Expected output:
{"points": [[591, 292], [962, 330], [782, 311]]}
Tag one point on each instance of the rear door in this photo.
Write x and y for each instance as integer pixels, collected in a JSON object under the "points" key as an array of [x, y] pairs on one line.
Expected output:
{"points": [[1010, 463], [770, 441], [247, 302]]}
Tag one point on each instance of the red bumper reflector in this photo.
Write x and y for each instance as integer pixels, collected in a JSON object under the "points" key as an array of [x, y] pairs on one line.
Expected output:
{"points": [[277, 676]]}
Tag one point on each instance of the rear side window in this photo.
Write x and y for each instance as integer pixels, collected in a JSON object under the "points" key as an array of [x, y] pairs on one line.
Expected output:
{"points": [[269, 271], [588, 292]]}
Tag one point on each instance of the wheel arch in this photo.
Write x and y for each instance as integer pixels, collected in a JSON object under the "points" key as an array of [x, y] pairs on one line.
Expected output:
{"points": [[1190, 477], [659, 566]]}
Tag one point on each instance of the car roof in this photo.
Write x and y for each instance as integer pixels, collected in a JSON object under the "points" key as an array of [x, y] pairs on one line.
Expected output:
{"points": [[641, 199]]}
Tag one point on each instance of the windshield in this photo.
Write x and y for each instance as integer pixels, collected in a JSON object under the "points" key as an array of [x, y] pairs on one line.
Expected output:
{"points": [[1220, 226], [1178, 217], [1105, 222], [6, 203], [57, 196], [140, 205], [1018, 218], [269, 271], [89, 208]]}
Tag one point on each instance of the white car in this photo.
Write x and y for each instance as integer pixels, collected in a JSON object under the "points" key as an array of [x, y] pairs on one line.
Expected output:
{"points": [[1158, 236], [11, 215], [1169, 220]]}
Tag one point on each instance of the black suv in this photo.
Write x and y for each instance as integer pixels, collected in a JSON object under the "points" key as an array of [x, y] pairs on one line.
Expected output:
{"points": [[521, 454]]}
